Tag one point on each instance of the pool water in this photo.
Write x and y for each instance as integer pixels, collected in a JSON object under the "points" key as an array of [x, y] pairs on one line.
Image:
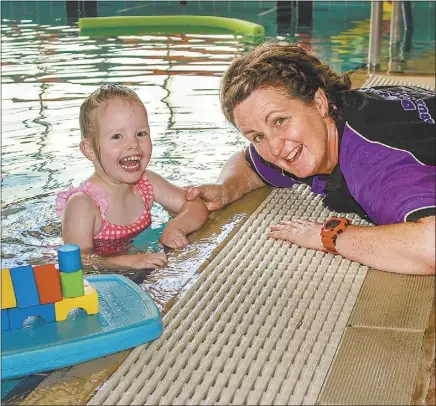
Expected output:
{"points": [[48, 69]]}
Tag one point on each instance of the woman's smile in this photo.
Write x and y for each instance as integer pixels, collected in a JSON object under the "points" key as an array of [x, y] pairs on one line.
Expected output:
{"points": [[287, 132], [294, 154]]}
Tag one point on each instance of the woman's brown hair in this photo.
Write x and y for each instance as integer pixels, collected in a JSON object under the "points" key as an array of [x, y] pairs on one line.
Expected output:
{"points": [[287, 67]]}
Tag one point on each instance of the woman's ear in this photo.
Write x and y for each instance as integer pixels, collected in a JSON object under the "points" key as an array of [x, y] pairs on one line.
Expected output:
{"points": [[321, 102], [88, 150]]}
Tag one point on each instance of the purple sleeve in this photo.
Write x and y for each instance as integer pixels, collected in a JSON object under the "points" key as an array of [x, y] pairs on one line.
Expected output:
{"points": [[390, 184], [270, 174]]}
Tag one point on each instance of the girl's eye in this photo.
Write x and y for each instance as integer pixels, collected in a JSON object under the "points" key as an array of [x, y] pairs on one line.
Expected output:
{"points": [[142, 134], [258, 138], [279, 121], [116, 136]]}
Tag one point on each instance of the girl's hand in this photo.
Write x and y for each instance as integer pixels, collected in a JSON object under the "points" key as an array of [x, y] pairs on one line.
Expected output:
{"points": [[173, 237], [303, 233], [147, 260]]}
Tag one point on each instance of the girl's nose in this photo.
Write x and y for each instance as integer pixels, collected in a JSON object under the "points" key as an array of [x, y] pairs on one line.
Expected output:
{"points": [[133, 143], [275, 144]]}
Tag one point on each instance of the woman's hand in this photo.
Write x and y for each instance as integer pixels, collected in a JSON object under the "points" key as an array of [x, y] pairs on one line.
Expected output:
{"points": [[303, 233], [173, 237], [214, 195]]}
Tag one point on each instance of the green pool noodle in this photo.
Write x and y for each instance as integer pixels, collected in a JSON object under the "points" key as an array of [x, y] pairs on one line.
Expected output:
{"points": [[72, 284], [229, 24]]}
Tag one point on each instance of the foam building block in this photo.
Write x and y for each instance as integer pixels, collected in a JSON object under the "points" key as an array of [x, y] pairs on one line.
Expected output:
{"points": [[69, 258], [88, 302], [48, 282], [25, 288], [8, 295], [5, 320], [72, 284], [18, 315]]}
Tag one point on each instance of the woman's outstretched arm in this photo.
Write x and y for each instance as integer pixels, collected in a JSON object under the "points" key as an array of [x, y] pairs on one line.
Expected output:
{"points": [[235, 180], [407, 248]]}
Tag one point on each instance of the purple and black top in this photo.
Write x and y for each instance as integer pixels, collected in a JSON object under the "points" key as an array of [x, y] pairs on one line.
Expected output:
{"points": [[386, 171]]}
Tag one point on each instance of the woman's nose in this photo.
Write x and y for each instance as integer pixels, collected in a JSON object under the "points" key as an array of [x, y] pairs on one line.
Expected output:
{"points": [[275, 144]]}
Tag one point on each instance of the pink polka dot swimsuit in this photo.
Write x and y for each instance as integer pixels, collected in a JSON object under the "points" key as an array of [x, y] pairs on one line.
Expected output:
{"points": [[112, 239]]}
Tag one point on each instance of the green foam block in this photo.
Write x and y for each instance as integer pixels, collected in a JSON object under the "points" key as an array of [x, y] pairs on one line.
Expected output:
{"points": [[72, 284]]}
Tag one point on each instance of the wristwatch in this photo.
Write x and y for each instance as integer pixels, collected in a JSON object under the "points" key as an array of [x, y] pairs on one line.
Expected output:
{"points": [[330, 231]]}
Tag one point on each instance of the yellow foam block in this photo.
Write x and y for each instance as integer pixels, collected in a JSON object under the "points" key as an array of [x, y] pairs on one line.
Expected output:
{"points": [[8, 293], [88, 302]]}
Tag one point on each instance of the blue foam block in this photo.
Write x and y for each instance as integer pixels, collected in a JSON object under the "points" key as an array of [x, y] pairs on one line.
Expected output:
{"points": [[5, 320], [128, 317], [17, 316], [26, 291], [69, 258]]}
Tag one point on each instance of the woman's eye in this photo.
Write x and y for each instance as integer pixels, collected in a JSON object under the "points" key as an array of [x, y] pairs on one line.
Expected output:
{"points": [[142, 134], [116, 136], [258, 138], [279, 121]]}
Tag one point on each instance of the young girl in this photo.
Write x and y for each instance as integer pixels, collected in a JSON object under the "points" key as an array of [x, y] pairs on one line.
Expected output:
{"points": [[109, 209]]}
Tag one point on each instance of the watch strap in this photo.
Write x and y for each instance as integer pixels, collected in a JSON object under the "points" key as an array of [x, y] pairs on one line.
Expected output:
{"points": [[330, 235]]}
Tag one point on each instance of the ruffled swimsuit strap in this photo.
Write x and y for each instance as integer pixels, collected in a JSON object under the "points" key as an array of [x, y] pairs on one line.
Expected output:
{"points": [[145, 188], [91, 189]]}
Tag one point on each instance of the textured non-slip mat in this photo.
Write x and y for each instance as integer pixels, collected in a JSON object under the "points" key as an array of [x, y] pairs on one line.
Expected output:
{"points": [[261, 325]]}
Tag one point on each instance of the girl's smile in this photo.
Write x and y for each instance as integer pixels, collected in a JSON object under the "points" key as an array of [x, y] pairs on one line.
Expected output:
{"points": [[124, 141], [131, 163]]}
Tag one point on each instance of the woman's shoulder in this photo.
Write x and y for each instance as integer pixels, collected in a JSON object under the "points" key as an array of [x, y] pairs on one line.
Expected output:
{"points": [[396, 117], [390, 105]]}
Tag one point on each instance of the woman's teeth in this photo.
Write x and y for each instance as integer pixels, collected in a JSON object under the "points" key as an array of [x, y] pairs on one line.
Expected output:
{"points": [[294, 154]]}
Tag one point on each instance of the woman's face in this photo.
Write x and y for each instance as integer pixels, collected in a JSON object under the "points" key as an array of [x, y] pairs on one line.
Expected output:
{"points": [[299, 138]]}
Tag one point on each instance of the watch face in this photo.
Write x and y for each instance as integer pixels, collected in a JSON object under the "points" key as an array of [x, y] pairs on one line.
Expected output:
{"points": [[332, 224]]}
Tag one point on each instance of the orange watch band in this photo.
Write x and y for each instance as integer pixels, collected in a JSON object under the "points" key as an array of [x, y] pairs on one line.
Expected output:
{"points": [[330, 231]]}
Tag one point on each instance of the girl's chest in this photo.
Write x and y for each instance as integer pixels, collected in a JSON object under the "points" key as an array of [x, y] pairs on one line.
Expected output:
{"points": [[126, 211]]}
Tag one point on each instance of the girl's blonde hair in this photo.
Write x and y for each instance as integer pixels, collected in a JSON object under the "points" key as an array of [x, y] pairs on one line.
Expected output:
{"points": [[283, 66], [88, 123]]}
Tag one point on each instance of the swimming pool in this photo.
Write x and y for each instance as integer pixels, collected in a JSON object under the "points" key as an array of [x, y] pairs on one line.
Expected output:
{"points": [[48, 69]]}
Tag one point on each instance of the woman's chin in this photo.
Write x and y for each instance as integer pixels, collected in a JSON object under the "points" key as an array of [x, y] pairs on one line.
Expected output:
{"points": [[300, 172]]}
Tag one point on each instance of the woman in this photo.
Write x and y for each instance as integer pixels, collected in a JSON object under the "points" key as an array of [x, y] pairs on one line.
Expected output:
{"points": [[367, 151]]}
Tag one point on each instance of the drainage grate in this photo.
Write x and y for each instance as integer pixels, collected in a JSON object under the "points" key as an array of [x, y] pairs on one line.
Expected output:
{"points": [[261, 325]]}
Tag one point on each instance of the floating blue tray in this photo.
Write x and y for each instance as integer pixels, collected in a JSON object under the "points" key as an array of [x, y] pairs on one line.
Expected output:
{"points": [[128, 317]]}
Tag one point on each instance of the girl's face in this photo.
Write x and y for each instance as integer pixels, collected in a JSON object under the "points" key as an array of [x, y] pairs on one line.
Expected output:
{"points": [[124, 141], [299, 138]]}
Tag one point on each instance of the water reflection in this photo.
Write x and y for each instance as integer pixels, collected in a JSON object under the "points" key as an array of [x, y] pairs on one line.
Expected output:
{"points": [[48, 71]]}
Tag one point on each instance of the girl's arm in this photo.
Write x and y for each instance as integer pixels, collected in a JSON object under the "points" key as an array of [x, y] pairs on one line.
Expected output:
{"points": [[81, 220], [191, 215], [407, 248]]}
